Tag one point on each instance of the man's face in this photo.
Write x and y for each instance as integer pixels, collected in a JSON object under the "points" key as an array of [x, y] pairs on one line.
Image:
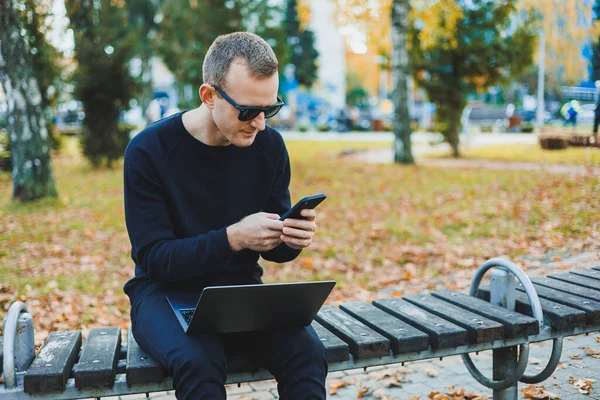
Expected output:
{"points": [[245, 91]]}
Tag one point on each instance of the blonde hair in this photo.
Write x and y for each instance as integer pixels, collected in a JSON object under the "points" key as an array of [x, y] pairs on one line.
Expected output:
{"points": [[251, 49]]}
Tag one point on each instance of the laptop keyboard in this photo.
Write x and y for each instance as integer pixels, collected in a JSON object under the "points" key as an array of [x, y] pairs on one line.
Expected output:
{"points": [[187, 314]]}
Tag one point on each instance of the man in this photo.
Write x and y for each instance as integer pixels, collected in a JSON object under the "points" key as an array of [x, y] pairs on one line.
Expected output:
{"points": [[203, 193]]}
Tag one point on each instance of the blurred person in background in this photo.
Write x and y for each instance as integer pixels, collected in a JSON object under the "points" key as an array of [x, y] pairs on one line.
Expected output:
{"points": [[569, 111]]}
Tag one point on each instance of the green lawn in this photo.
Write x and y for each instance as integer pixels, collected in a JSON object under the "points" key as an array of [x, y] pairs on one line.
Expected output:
{"points": [[381, 226]]}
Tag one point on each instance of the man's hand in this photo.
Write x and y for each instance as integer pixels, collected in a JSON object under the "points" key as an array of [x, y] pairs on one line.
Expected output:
{"points": [[298, 233], [259, 232]]}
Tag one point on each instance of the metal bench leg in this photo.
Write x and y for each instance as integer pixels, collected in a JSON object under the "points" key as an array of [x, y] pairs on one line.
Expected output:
{"points": [[19, 346], [502, 292]]}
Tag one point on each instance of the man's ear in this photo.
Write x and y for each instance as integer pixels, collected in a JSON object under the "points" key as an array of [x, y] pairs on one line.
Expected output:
{"points": [[207, 95]]}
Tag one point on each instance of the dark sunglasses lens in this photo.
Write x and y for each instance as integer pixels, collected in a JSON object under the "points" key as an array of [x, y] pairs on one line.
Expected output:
{"points": [[247, 115], [271, 111]]}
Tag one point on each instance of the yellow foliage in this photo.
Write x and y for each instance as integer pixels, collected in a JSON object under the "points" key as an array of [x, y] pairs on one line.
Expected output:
{"points": [[439, 18], [567, 27], [372, 18], [303, 10]]}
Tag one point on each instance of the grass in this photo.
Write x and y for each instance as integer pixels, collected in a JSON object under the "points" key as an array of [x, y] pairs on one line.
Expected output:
{"points": [[403, 227], [531, 153]]}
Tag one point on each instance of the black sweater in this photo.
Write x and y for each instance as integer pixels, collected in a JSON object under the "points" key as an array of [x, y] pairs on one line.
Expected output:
{"points": [[180, 196]]}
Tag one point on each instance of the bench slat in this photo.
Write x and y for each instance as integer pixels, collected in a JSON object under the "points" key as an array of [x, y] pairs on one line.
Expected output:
{"points": [[442, 333], [577, 280], [364, 342], [336, 349], [479, 328], [51, 368], [596, 268], [97, 366], [141, 368], [588, 273], [404, 338], [591, 308], [568, 288], [558, 316], [515, 324]]}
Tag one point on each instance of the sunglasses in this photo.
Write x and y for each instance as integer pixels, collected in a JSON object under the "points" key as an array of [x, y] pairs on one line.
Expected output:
{"points": [[248, 113]]}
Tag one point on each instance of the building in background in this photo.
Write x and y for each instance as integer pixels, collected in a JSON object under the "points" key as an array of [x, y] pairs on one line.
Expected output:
{"points": [[331, 83]]}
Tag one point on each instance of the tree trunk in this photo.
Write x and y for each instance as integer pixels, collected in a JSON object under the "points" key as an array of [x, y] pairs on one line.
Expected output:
{"points": [[30, 146], [453, 127], [400, 71]]}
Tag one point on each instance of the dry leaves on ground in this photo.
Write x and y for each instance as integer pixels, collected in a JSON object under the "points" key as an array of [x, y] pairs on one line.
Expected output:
{"points": [[337, 385], [575, 356], [381, 394], [453, 393], [583, 385], [362, 389], [538, 393], [590, 351]]}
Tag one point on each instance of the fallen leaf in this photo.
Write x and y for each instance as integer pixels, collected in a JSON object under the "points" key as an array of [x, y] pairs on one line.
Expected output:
{"points": [[337, 385], [534, 361], [405, 370], [414, 398], [362, 390], [590, 351], [583, 385], [575, 356], [381, 394], [538, 393], [432, 373]]}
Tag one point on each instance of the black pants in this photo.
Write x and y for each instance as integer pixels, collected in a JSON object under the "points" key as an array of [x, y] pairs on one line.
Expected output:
{"points": [[198, 366], [596, 122]]}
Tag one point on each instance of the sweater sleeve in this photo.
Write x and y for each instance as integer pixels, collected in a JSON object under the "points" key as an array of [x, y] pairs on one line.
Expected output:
{"points": [[279, 203], [155, 248]]}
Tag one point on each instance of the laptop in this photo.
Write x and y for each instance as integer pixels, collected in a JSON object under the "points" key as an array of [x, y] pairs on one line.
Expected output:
{"points": [[244, 308]]}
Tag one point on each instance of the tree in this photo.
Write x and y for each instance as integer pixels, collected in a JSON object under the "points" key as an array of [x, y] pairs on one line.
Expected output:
{"points": [[568, 32], [301, 42], [400, 76], [189, 27], [596, 44], [461, 46], [35, 17], [141, 21], [30, 148], [104, 45]]}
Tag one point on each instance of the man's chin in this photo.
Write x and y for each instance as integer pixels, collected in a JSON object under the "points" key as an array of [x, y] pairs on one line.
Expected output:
{"points": [[245, 139]]}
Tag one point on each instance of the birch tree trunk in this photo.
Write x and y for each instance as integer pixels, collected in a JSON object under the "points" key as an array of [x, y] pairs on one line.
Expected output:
{"points": [[28, 135], [400, 74]]}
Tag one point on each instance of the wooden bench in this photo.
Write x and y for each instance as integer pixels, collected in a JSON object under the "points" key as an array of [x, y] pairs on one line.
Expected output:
{"points": [[558, 138], [355, 335]]}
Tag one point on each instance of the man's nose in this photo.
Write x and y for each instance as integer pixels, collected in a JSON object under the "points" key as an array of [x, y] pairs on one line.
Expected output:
{"points": [[259, 122]]}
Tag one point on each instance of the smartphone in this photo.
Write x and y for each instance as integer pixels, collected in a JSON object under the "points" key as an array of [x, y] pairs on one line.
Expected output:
{"points": [[306, 202]]}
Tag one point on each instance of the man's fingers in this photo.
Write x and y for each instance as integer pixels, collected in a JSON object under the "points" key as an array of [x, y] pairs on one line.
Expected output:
{"points": [[300, 224], [297, 233], [309, 214], [296, 242], [271, 216]]}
